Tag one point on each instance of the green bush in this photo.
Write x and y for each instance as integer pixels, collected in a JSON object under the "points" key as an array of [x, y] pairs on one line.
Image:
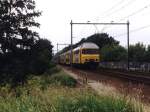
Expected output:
{"points": [[46, 80], [64, 80], [52, 70]]}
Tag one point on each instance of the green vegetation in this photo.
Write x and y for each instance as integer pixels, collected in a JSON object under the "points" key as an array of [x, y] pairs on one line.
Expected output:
{"points": [[137, 53], [22, 51], [113, 53], [28, 80], [54, 93], [64, 80], [93, 103], [101, 39], [110, 50]]}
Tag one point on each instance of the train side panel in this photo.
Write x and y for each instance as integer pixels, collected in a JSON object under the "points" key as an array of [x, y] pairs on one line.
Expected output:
{"points": [[76, 56]]}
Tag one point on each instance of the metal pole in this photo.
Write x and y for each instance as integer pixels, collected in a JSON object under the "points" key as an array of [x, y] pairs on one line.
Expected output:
{"points": [[71, 23], [128, 57], [100, 23], [57, 47], [71, 46]]}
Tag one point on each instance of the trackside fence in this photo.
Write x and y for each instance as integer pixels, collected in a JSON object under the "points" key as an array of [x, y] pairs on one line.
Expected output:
{"points": [[135, 66]]}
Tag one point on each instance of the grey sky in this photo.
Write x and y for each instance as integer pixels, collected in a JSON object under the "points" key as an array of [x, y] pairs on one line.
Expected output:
{"points": [[57, 14]]}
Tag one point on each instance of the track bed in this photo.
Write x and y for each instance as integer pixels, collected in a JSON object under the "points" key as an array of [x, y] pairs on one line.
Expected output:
{"points": [[127, 83]]}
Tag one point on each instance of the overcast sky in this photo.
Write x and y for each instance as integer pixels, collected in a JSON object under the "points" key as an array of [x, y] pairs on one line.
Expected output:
{"points": [[57, 14]]}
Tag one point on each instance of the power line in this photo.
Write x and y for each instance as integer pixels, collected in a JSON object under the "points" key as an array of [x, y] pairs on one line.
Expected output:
{"points": [[124, 6], [134, 30], [117, 10], [109, 10], [136, 12], [141, 28], [105, 27], [114, 6]]}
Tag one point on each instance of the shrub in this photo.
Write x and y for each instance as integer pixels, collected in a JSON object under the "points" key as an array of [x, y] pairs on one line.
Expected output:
{"points": [[63, 79], [52, 70]]}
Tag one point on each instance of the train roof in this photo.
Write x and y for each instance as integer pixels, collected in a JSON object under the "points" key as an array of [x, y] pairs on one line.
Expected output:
{"points": [[89, 45]]}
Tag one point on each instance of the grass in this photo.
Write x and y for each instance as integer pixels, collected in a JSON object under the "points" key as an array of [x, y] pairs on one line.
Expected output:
{"points": [[55, 93], [63, 80], [62, 99]]}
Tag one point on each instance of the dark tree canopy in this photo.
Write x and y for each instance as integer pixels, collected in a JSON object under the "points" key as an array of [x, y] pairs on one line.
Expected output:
{"points": [[101, 39], [22, 51], [41, 56], [16, 18], [113, 53], [137, 52], [147, 55]]}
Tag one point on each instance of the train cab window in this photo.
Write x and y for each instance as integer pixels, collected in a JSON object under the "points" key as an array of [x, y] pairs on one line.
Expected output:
{"points": [[90, 51]]}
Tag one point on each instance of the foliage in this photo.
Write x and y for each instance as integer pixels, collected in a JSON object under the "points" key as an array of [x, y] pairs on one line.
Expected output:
{"points": [[16, 16], [147, 54], [60, 99], [101, 40], [94, 103], [41, 54], [64, 80], [113, 53], [43, 94], [21, 50], [137, 52]]}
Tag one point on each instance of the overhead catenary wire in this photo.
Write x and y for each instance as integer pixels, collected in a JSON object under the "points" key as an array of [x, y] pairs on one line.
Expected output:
{"points": [[136, 12], [114, 6], [117, 10], [83, 28], [133, 13], [141, 28], [134, 30], [109, 14]]}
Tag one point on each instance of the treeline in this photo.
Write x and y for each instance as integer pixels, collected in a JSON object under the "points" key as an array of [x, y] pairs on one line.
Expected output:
{"points": [[111, 51], [101, 39], [137, 53], [22, 51]]}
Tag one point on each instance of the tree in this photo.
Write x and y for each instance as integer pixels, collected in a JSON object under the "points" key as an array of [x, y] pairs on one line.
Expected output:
{"points": [[16, 16], [102, 40], [137, 52], [41, 56], [147, 55], [113, 53]]}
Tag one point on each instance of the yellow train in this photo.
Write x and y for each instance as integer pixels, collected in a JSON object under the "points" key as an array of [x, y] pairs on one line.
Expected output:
{"points": [[85, 54]]}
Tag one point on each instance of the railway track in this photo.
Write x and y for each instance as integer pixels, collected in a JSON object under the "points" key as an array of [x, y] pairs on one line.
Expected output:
{"points": [[125, 75], [125, 82], [139, 77]]}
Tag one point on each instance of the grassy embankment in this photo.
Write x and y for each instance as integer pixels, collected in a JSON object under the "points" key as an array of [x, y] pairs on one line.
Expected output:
{"points": [[55, 91]]}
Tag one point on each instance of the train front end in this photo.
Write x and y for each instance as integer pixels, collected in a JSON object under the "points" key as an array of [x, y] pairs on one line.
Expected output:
{"points": [[90, 55]]}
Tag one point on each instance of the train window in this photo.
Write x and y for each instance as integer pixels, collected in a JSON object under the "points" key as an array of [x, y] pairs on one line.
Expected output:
{"points": [[90, 51]]}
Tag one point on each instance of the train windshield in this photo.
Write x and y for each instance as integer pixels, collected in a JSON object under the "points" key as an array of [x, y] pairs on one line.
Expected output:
{"points": [[90, 51]]}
